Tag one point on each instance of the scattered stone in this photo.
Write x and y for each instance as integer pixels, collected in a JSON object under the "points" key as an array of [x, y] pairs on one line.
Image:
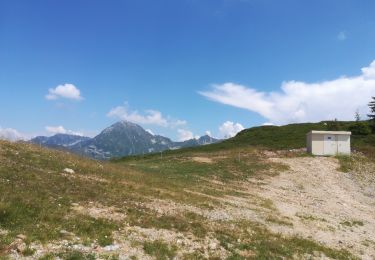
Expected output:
{"points": [[21, 236], [21, 247], [111, 247], [212, 245], [18, 245], [316, 253], [3, 232], [68, 170]]}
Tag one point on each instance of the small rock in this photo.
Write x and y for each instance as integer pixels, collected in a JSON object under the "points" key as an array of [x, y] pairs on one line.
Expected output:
{"points": [[21, 247], [213, 245], [18, 245], [111, 247], [21, 236], [316, 253], [68, 170], [3, 232]]}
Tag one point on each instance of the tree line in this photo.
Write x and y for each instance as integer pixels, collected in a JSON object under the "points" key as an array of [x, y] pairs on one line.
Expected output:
{"points": [[359, 127]]}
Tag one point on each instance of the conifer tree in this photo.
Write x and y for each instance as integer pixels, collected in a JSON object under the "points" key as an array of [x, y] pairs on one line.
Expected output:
{"points": [[372, 113], [357, 116]]}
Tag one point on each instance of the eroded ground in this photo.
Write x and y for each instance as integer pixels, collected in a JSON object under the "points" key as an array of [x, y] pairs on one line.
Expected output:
{"points": [[240, 204], [325, 204]]}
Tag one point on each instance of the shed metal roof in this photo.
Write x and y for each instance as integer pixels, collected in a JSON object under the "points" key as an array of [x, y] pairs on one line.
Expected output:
{"points": [[330, 132]]}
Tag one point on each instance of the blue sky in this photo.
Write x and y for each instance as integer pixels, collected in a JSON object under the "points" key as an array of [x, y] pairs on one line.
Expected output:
{"points": [[182, 67]]}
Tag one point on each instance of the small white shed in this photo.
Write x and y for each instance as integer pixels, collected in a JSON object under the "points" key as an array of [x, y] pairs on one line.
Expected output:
{"points": [[328, 142]]}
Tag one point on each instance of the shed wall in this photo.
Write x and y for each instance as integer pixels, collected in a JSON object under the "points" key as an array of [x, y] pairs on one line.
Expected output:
{"points": [[343, 142], [317, 144]]}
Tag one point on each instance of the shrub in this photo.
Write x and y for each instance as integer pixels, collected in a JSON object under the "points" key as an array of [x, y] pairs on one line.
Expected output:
{"points": [[360, 128], [334, 125]]}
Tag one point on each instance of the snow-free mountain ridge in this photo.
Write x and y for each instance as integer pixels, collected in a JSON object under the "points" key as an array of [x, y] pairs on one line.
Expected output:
{"points": [[120, 139]]}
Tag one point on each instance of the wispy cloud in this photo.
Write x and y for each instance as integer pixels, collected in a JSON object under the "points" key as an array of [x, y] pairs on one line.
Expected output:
{"points": [[184, 135], [61, 130], [11, 134], [229, 129], [298, 101], [149, 117], [67, 91]]}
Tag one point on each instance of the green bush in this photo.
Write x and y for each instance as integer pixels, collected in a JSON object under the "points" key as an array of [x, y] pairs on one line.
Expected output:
{"points": [[360, 128], [334, 125]]}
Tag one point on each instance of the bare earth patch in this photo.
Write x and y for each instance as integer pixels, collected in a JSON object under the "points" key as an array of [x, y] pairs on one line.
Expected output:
{"points": [[187, 243], [202, 159], [98, 211], [84, 177], [323, 204]]}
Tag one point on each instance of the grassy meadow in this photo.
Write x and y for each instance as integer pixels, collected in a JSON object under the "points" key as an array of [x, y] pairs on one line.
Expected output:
{"points": [[39, 200]]}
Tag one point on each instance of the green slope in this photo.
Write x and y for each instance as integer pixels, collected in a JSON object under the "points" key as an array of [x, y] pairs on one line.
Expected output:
{"points": [[38, 199], [292, 136]]}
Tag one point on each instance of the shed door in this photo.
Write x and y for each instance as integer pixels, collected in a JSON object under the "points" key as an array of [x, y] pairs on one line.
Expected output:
{"points": [[330, 145], [343, 143]]}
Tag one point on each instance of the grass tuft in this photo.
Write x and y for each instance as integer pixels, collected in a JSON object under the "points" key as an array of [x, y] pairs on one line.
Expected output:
{"points": [[160, 249]]}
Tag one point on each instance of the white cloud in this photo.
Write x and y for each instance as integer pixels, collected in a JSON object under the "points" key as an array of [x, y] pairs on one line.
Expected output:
{"points": [[208, 133], [177, 122], [268, 123], [298, 101], [369, 72], [151, 117], [341, 36], [229, 129], [61, 130], [184, 135], [56, 129], [68, 91], [11, 134]]}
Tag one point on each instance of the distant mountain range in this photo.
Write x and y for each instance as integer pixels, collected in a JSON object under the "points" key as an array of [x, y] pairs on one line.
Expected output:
{"points": [[120, 139], [59, 140]]}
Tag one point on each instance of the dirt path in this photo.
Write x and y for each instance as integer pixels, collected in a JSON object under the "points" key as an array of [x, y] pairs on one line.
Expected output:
{"points": [[323, 204]]}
